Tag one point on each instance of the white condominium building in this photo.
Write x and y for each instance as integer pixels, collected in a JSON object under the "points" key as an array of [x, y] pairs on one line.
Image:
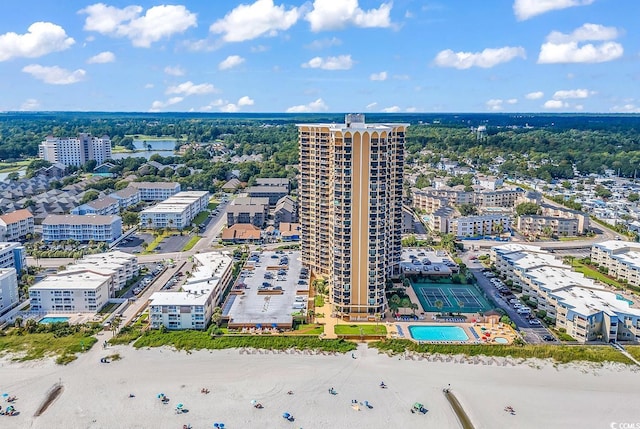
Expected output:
{"points": [[350, 196], [16, 225], [75, 150], [622, 259], [123, 266], [586, 310], [155, 191], [175, 212], [83, 291], [13, 255], [8, 289], [193, 306], [81, 228]]}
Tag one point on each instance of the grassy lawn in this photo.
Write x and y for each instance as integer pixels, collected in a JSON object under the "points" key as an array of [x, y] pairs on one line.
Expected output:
{"points": [[155, 243], [559, 354], [319, 301], [200, 218], [310, 329], [197, 340], [213, 205], [108, 308], [360, 330], [595, 274], [41, 345], [8, 167], [633, 351], [192, 242]]}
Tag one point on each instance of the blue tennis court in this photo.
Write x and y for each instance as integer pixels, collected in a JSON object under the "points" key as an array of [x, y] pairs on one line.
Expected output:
{"points": [[455, 298]]}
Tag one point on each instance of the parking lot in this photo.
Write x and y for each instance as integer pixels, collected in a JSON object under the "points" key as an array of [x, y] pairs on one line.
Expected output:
{"points": [[270, 288], [532, 332]]}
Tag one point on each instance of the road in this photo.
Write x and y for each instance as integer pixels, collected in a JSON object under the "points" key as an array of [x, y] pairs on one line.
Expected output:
{"points": [[529, 333]]}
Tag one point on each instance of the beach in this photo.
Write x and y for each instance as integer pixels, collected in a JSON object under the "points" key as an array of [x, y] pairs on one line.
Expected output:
{"points": [[96, 395]]}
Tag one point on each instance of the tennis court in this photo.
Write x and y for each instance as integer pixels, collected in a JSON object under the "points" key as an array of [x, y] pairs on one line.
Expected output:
{"points": [[455, 298]]}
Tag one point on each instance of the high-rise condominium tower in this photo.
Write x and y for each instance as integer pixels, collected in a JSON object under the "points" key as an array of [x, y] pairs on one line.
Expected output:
{"points": [[351, 209]]}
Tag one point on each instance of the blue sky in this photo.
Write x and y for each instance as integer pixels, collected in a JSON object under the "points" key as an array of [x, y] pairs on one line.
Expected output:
{"points": [[321, 55]]}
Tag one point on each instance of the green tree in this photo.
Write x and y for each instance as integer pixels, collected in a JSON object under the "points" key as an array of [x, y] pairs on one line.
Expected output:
{"points": [[439, 305], [216, 316], [89, 196], [527, 209], [633, 197], [468, 209], [602, 192], [130, 218]]}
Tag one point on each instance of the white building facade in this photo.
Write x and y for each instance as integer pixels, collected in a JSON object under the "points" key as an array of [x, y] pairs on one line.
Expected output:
{"points": [[622, 259], [75, 150], [16, 225], [83, 291], [175, 212], [155, 191], [8, 289], [81, 228], [192, 308]]}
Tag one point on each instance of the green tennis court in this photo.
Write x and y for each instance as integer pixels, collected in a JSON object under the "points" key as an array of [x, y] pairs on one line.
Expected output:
{"points": [[455, 298]]}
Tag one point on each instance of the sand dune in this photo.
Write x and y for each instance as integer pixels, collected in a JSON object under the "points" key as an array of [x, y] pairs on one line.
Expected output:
{"points": [[96, 395]]}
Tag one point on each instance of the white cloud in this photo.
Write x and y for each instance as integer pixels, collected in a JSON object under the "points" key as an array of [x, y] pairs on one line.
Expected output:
{"points": [[230, 62], [149, 86], [392, 109], [626, 108], [555, 104], [334, 15], [572, 93], [245, 101], [30, 104], [495, 104], [579, 107], [342, 62], [512, 101], [189, 88], [534, 95], [485, 59], [561, 48], [525, 9], [42, 38], [157, 105], [215, 103], [102, 58], [315, 106], [54, 75], [261, 18], [324, 43], [410, 109], [259, 48], [174, 71], [158, 22], [379, 76], [371, 105]]}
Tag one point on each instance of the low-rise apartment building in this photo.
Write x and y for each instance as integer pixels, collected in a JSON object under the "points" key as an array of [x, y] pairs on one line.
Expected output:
{"points": [[127, 197], [123, 266], [431, 199], [101, 206], [443, 221], [585, 309], [16, 225], [13, 255], [8, 289], [621, 258], [156, 191], [81, 291], [81, 228], [537, 226], [248, 210], [272, 192], [175, 212], [192, 307]]}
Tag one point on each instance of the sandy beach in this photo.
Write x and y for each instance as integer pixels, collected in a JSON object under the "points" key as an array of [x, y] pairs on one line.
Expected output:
{"points": [[96, 395]]}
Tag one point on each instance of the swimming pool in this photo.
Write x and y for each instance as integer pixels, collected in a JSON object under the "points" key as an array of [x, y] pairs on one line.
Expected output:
{"points": [[501, 340], [622, 298], [438, 333], [53, 319]]}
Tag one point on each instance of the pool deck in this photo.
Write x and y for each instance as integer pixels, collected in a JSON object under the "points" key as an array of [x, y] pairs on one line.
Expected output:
{"points": [[475, 332]]}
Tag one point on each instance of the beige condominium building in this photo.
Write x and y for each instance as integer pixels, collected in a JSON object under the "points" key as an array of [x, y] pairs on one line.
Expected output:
{"points": [[350, 198]]}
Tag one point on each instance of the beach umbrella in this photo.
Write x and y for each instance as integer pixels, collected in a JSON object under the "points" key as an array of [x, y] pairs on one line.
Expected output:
{"points": [[286, 415], [253, 402], [4, 395], [179, 406]]}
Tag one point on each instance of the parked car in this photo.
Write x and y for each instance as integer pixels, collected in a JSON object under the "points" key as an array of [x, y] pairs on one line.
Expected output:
{"points": [[534, 322], [548, 338]]}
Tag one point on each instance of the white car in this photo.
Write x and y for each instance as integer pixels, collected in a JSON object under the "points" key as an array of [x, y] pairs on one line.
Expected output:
{"points": [[534, 322], [524, 310]]}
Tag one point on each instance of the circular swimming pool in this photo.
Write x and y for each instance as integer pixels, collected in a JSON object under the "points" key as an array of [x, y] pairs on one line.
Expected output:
{"points": [[501, 340], [438, 333]]}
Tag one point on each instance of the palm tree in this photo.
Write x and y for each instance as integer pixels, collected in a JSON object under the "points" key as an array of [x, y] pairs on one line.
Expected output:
{"points": [[115, 324], [17, 322], [216, 317], [460, 307], [31, 325], [414, 307]]}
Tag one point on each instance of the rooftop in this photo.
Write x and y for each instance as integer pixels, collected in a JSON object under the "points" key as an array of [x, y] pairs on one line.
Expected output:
{"points": [[16, 216], [155, 185], [83, 279], [54, 219]]}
